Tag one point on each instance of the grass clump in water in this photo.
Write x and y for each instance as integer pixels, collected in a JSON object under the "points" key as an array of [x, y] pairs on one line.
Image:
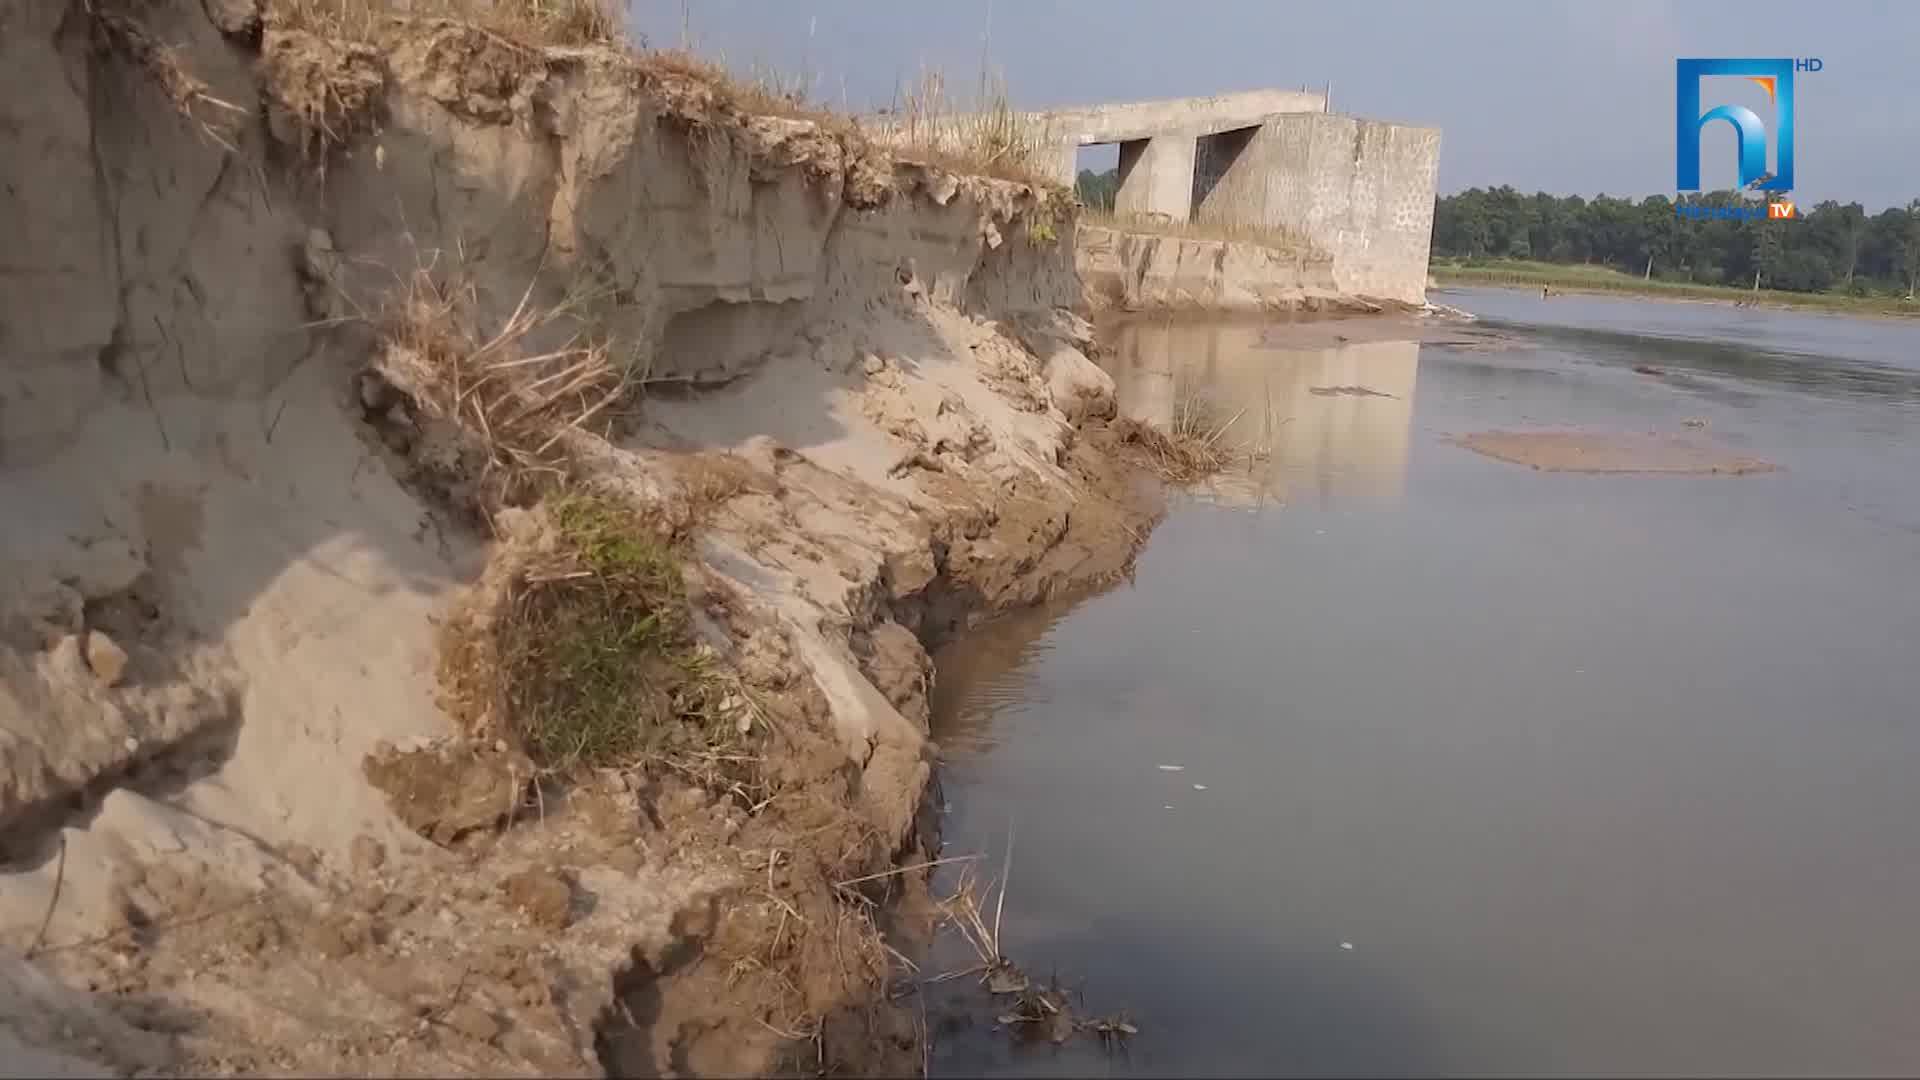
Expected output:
{"points": [[1192, 446]]}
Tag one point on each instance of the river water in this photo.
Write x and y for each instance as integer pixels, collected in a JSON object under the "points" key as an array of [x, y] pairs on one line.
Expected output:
{"points": [[1481, 769]]}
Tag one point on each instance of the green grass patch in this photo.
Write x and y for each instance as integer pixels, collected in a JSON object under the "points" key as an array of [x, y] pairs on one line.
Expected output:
{"points": [[1522, 272], [590, 658]]}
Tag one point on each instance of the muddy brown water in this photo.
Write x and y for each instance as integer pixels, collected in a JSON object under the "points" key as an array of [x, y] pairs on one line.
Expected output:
{"points": [[1480, 769]]}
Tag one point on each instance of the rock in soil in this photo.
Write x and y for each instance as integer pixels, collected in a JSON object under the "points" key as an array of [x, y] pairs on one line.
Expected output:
{"points": [[107, 660], [542, 896]]}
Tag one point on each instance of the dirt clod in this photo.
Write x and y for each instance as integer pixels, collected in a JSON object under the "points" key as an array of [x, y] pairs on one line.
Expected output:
{"points": [[106, 660], [542, 896], [451, 789]]}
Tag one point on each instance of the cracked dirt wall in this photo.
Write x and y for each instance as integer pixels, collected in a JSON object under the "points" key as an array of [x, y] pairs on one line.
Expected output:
{"points": [[226, 555]]}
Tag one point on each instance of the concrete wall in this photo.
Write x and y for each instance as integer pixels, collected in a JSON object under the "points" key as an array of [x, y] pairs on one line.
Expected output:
{"points": [[1156, 177], [1070, 128], [1360, 190], [1198, 115], [1137, 271], [1214, 156]]}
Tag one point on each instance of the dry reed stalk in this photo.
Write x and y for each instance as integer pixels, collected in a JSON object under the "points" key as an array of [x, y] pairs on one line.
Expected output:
{"points": [[520, 406], [987, 136]]}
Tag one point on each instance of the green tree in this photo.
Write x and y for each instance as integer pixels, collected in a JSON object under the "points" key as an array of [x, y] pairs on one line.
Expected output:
{"points": [[1911, 247], [1096, 190], [1833, 245]]}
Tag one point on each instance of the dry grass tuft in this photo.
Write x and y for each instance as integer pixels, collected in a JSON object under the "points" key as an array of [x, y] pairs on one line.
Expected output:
{"points": [[1190, 448], [116, 33], [532, 23], [710, 480], [765, 93], [1030, 1009], [521, 403], [966, 909], [987, 136]]}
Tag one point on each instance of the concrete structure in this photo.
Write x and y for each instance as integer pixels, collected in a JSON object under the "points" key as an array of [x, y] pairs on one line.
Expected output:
{"points": [[1158, 137], [1358, 191]]}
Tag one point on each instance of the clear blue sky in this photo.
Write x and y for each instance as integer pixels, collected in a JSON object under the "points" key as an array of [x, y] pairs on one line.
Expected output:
{"points": [[1569, 98]]}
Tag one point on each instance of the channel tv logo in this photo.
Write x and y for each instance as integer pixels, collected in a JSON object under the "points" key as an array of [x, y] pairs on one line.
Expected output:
{"points": [[1773, 76]]}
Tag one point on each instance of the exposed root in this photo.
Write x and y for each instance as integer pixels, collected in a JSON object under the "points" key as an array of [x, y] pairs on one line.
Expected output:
{"points": [[322, 90], [119, 34], [1033, 1010]]}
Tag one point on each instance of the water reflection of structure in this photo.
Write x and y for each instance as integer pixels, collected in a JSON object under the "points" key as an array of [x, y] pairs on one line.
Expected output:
{"points": [[1300, 406]]}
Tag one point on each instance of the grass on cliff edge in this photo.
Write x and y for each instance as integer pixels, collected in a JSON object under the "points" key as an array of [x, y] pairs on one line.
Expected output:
{"points": [[1522, 272], [592, 656], [526, 22], [986, 137]]}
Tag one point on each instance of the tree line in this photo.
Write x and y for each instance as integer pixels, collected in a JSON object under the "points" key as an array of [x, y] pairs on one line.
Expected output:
{"points": [[1831, 246], [1096, 190]]}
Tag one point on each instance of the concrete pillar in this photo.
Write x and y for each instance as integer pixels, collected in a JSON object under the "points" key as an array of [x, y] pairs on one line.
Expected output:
{"points": [[1156, 176], [1065, 161]]}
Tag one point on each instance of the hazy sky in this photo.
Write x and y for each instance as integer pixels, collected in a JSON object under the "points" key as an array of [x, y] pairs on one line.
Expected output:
{"points": [[1573, 98]]}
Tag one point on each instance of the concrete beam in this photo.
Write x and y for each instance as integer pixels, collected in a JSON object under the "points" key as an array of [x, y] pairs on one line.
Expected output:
{"points": [[1132, 120], [1156, 176], [1062, 132]]}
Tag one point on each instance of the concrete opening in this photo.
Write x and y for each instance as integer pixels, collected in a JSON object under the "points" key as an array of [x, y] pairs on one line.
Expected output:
{"points": [[1096, 170], [1213, 156], [1128, 163]]}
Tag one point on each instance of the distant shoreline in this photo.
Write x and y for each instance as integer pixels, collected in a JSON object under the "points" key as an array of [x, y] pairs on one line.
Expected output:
{"points": [[1594, 280]]}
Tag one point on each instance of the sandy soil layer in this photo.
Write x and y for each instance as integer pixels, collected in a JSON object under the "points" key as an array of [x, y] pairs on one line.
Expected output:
{"points": [[245, 825]]}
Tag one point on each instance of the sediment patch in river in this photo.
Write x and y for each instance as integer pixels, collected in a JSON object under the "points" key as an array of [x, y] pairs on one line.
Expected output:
{"points": [[1611, 452]]}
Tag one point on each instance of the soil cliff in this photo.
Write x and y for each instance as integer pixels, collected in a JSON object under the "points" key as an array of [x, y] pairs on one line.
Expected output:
{"points": [[475, 510]]}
